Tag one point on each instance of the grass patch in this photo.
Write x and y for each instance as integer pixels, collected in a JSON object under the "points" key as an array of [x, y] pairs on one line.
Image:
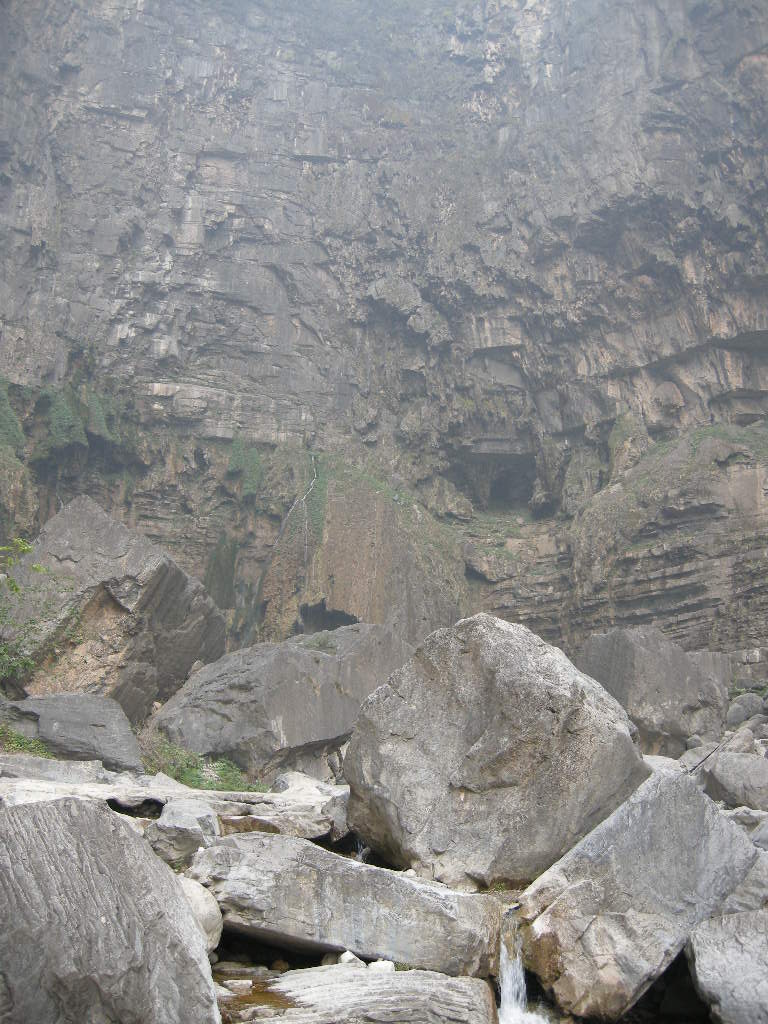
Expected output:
{"points": [[189, 768], [245, 462], [12, 742]]}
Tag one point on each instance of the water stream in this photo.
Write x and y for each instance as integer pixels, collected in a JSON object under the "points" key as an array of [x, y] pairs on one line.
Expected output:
{"points": [[514, 1006]]}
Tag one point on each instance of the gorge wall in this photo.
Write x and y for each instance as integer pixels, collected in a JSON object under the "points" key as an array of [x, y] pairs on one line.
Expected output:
{"points": [[397, 311]]}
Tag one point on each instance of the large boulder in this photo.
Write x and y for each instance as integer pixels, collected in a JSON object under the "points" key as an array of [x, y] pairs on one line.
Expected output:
{"points": [[728, 957], [291, 893], [289, 704], [669, 694], [93, 927], [605, 921], [487, 756], [183, 827], [738, 780], [350, 994], [79, 726], [111, 613]]}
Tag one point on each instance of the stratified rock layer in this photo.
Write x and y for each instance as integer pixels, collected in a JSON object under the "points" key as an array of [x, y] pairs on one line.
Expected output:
{"points": [[605, 921], [283, 705], [290, 893], [93, 927], [487, 756], [111, 613]]}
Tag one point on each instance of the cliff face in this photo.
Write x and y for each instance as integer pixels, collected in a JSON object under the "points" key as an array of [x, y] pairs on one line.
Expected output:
{"points": [[462, 274]]}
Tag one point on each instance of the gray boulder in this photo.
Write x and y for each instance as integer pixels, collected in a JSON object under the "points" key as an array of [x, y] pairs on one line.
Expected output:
{"points": [[744, 707], [182, 828], [291, 893], [752, 891], [113, 614], [760, 836], [739, 780], [284, 705], [605, 921], [348, 994], [487, 756], [728, 957], [669, 694], [82, 727], [93, 927], [205, 909]]}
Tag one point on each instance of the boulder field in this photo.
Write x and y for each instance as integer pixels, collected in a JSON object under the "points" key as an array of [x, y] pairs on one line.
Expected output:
{"points": [[487, 761]]}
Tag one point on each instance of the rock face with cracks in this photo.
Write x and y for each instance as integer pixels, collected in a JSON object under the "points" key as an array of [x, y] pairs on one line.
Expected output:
{"points": [[605, 921], [349, 994], [113, 614], [283, 705], [93, 927], [728, 957], [290, 893], [487, 756], [668, 694]]}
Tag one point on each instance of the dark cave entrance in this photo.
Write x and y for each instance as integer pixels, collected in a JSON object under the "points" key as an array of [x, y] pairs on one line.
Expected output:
{"points": [[511, 484], [315, 618]]}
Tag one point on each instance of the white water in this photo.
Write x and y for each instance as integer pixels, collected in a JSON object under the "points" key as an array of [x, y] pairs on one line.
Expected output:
{"points": [[513, 1009]]}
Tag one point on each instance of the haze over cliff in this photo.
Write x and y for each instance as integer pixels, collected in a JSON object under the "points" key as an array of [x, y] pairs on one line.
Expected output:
{"points": [[392, 312]]}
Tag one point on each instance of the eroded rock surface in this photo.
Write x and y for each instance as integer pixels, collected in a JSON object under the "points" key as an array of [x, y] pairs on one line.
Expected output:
{"points": [[606, 920], [118, 615], [290, 893], [287, 705], [487, 756], [728, 957], [668, 694], [94, 926]]}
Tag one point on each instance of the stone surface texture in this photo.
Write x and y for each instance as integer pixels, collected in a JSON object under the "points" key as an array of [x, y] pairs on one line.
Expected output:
{"points": [[205, 909], [82, 727], [738, 779], [290, 893], [487, 756], [285, 705], [728, 957], [348, 995], [94, 926], [604, 922], [480, 260], [668, 694], [114, 615], [183, 827]]}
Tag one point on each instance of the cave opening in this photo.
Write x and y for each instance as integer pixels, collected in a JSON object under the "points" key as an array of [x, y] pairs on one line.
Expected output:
{"points": [[315, 618], [511, 484]]}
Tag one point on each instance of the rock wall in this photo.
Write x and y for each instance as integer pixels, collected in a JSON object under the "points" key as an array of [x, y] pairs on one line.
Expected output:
{"points": [[500, 258]]}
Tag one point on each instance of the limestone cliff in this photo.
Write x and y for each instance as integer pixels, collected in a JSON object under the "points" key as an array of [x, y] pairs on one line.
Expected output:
{"points": [[394, 310]]}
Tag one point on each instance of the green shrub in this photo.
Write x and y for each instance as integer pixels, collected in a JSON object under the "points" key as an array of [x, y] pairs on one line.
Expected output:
{"points": [[189, 768]]}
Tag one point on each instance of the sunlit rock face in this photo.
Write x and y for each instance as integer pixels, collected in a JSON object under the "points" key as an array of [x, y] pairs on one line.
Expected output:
{"points": [[498, 251]]}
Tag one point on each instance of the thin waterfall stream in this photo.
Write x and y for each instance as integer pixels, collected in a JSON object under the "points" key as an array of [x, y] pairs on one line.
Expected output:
{"points": [[514, 1006]]}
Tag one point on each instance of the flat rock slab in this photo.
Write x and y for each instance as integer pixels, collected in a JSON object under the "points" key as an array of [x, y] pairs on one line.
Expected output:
{"points": [[93, 927], [114, 614], [82, 727], [346, 994], [728, 957], [605, 921], [291, 893], [668, 693], [487, 756], [284, 705]]}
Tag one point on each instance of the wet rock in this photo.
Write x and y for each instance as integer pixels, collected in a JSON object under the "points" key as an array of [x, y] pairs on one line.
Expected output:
{"points": [[123, 619], [205, 909], [728, 957], [669, 694], [82, 727], [283, 705], [182, 828], [291, 893], [609, 918], [348, 995], [487, 756], [92, 925]]}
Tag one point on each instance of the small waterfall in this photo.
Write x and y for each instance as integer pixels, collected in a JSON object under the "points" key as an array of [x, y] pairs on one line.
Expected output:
{"points": [[513, 1009]]}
